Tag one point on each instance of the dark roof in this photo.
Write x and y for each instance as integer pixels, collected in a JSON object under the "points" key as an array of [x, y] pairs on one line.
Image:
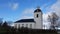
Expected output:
{"points": [[25, 20], [37, 10]]}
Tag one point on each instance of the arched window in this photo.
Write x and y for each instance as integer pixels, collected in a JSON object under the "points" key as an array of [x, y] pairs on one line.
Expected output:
{"points": [[27, 25], [37, 16], [18, 25], [30, 25], [22, 25]]}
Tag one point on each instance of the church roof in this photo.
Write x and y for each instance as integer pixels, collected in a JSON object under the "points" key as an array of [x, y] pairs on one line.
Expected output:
{"points": [[25, 20], [37, 10]]}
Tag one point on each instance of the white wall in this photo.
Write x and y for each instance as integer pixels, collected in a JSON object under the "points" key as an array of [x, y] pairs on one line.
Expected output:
{"points": [[39, 21], [17, 26]]}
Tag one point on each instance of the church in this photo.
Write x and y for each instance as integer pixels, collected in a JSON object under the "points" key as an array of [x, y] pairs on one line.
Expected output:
{"points": [[36, 23]]}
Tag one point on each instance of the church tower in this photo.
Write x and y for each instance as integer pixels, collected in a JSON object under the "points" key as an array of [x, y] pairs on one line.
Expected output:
{"points": [[38, 18]]}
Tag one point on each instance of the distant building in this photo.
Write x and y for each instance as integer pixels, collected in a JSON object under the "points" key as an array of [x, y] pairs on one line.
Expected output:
{"points": [[36, 23]]}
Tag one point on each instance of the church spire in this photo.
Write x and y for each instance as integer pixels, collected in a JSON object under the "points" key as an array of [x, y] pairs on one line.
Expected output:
{"points": [[38, 9]]}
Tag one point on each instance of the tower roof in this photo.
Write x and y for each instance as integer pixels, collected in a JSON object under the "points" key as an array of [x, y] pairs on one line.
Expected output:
{"points": [[37, 10]]}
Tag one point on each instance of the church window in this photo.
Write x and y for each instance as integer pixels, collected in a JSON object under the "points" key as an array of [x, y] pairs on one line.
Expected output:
{"points": [[18, 25], [37, 16], [26, 25], [22, 25], [30, 25]]}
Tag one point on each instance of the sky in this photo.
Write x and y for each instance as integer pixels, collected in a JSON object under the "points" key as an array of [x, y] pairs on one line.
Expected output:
{"points": [[13, 10], [17, 9]]}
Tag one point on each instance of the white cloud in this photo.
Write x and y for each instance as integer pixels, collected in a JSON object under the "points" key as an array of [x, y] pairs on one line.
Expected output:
{"points": [[13, 6], [45, 16], [56, 7], [53, 8], [28, 13], [46, 24], [26, 17]]}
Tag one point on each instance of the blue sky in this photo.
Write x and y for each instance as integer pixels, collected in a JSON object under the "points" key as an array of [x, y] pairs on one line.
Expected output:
{"points": [[12, 10]]}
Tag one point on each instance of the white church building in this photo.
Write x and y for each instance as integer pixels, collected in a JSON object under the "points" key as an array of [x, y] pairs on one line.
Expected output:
{"points": [[36, 23]]}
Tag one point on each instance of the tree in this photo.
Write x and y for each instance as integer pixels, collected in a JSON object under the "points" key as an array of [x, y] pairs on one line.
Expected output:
{"points": [[1, 21], [10, 23], [5, 24], [53, 19], [0, 24]]}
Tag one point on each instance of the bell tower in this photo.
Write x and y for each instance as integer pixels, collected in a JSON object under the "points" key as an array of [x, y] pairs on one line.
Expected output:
{"points": [[38, 18]]}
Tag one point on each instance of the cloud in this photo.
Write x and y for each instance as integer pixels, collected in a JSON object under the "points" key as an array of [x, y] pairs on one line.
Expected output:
{"points": [[46, 24], [26, 17], [53, 8], [28, 13], [45, 16], [13, 6], [56, 7]]}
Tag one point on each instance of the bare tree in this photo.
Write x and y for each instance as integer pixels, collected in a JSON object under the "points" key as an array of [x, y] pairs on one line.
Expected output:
{"points": [[53, 19]]}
